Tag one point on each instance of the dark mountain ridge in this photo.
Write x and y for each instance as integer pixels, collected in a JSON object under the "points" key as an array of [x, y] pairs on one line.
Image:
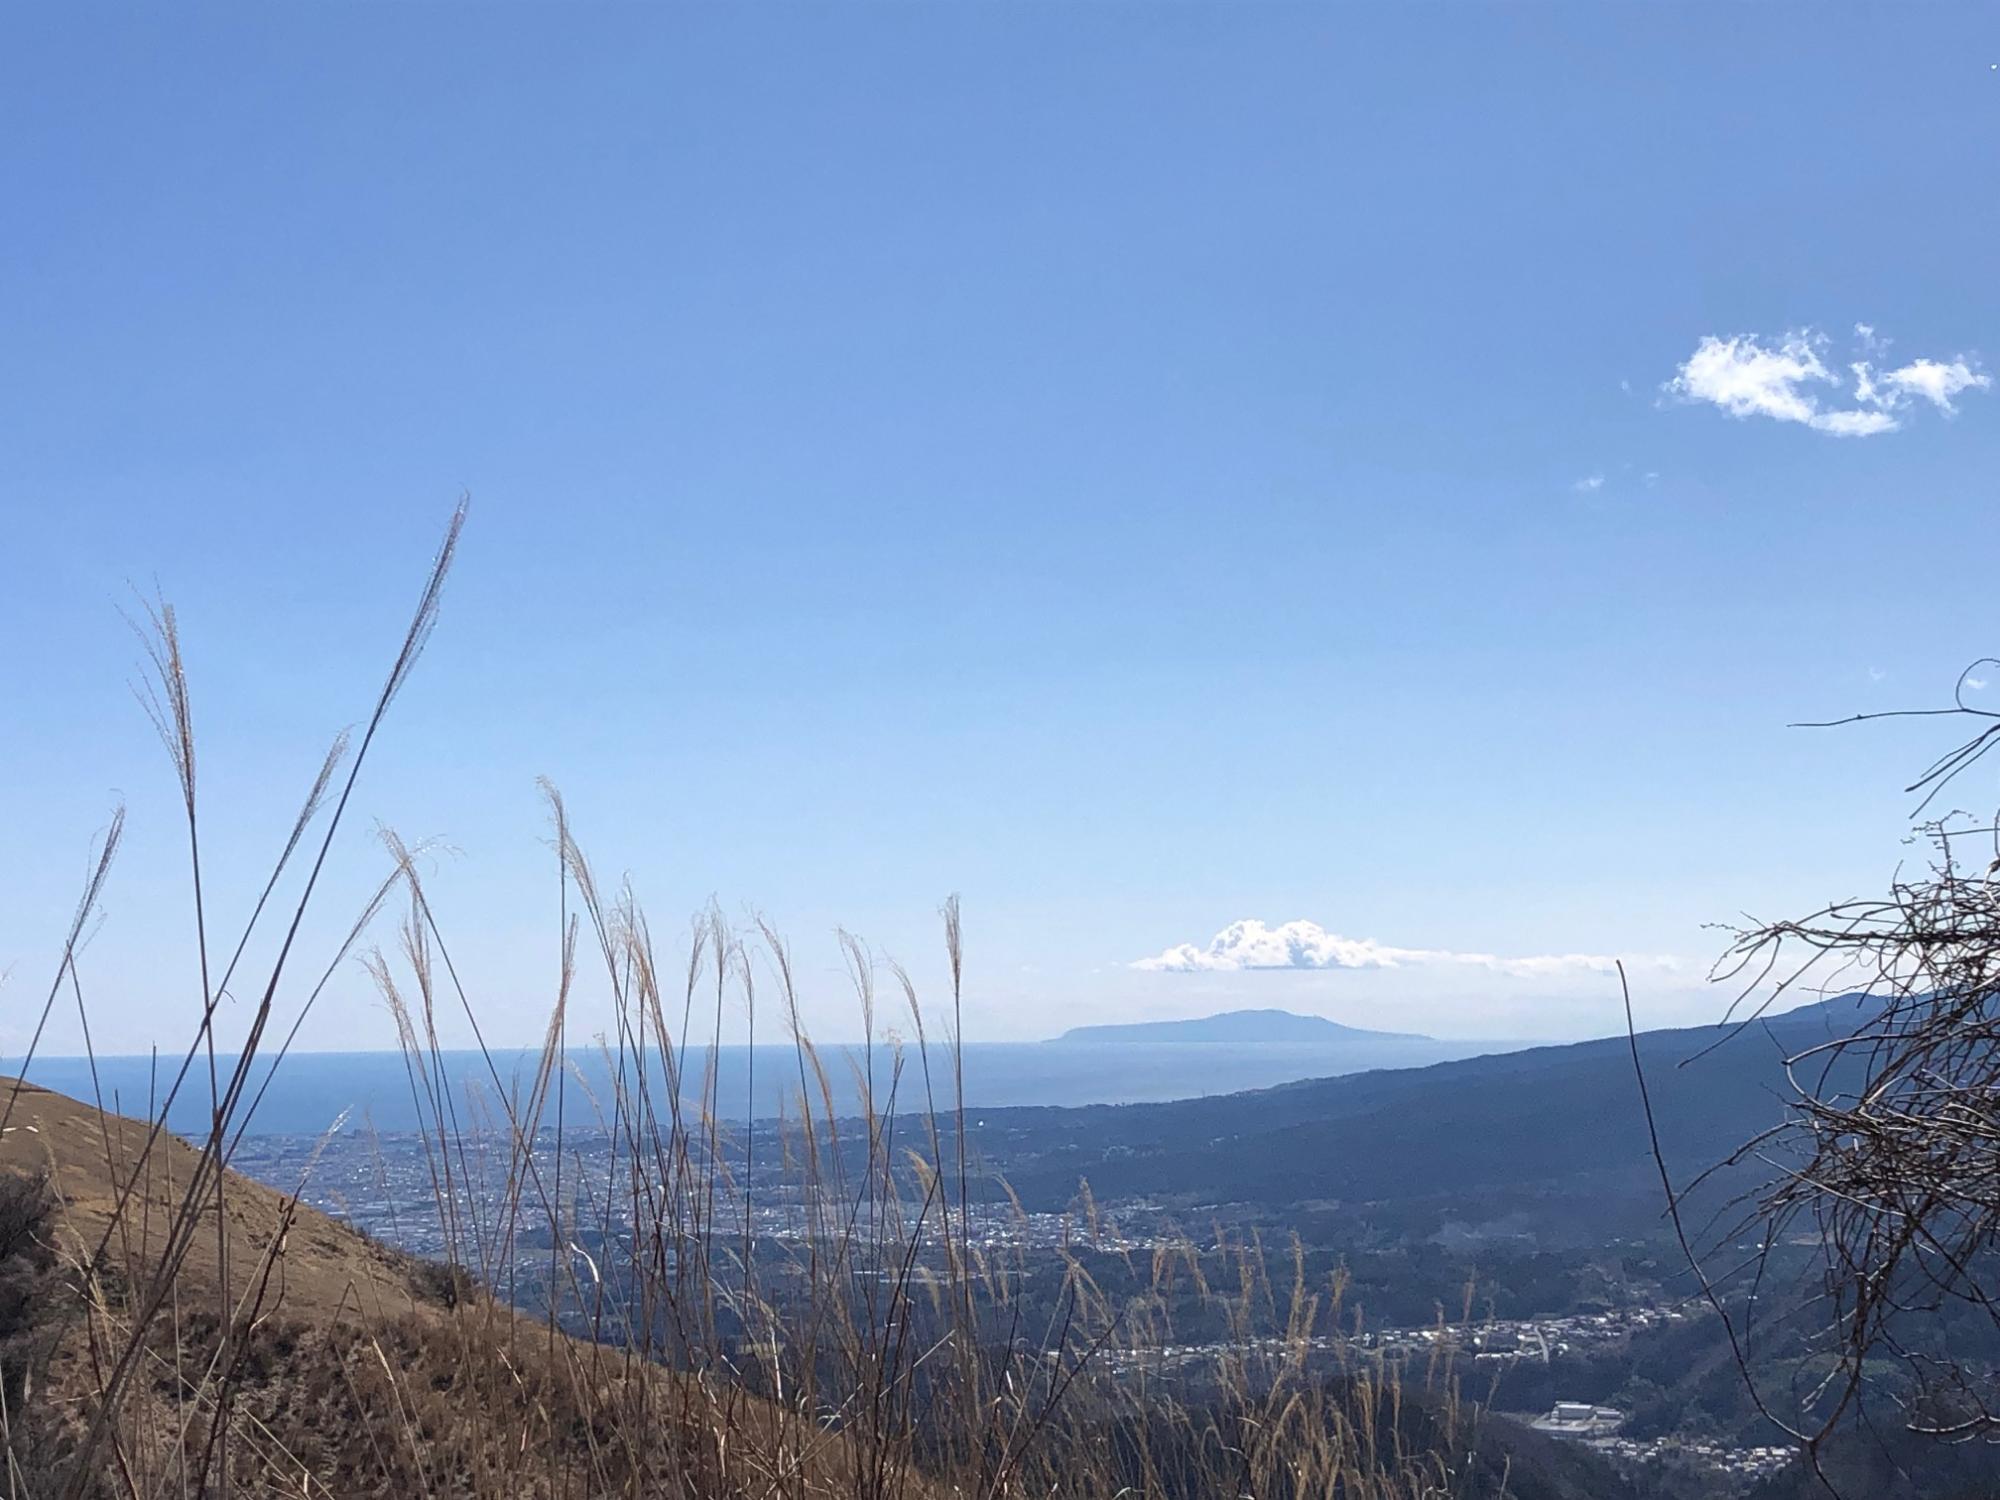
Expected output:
{"points": [[1562, 1120]]}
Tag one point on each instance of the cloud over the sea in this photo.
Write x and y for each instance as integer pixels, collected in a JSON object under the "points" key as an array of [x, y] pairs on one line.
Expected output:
{"points": [[1251, 944], [1790, 379]]}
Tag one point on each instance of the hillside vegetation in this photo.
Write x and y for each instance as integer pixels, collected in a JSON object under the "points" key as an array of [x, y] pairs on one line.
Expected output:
{"points": [[349, 1368], [353, 1369]]}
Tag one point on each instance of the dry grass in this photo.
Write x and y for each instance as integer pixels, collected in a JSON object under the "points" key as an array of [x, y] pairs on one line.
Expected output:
{"points": [[205, 1335]]}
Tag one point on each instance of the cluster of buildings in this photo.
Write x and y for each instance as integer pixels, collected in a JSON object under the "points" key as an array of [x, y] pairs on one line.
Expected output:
{"points": [[1743, 1465], [390, 1185], [1517, 1339], [1578, 1333], [1525, 1338]]}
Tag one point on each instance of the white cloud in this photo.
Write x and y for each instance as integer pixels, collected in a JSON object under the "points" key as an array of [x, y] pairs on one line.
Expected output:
{"points": [[1977, 684], [1937, 383], [1855, 423], [1747, 379], [1788, 380], [1588, 483], [1251, 944]]}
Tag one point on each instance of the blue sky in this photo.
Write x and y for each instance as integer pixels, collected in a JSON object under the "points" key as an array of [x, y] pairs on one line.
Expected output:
{"points": [[1142, 468]]}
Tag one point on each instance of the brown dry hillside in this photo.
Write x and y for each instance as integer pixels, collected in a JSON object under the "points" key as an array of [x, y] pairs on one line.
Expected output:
{"points": [[92, 1158], [347, 1369]]}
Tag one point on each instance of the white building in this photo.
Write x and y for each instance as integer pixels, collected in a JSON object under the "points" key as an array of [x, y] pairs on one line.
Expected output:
{"points": [[1579, 1419]]}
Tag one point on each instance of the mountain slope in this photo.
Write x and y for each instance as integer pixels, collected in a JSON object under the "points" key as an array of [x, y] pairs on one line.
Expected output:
{"points": [[91, 1160], [1565, 1119], [351, 1369]]}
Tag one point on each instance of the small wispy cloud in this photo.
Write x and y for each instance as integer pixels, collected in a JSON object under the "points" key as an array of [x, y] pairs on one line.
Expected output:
{"points": [[1588, 483], [1251, 944], [1789, 379], [1975, 684]]}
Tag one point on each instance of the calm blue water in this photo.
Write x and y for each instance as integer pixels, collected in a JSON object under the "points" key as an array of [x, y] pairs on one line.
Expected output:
{"points": [[312, 1090]]}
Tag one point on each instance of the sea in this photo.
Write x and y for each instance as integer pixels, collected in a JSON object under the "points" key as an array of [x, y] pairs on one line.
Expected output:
{"points": [[312, 1093]]}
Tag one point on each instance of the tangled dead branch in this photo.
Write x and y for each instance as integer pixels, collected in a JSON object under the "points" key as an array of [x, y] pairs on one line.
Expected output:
{"points": [[1884, 1178]]}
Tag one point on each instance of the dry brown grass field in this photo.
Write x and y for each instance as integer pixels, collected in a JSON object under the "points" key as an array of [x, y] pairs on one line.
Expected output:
{"points": [[354, 1370]]}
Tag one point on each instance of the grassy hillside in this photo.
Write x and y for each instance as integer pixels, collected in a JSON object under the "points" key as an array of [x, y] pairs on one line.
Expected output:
{"points": [[297, 1358], [351, 1369]]}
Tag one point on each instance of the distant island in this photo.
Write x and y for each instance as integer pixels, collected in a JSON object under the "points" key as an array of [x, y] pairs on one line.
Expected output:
{"points": [[1238, 1026]]}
